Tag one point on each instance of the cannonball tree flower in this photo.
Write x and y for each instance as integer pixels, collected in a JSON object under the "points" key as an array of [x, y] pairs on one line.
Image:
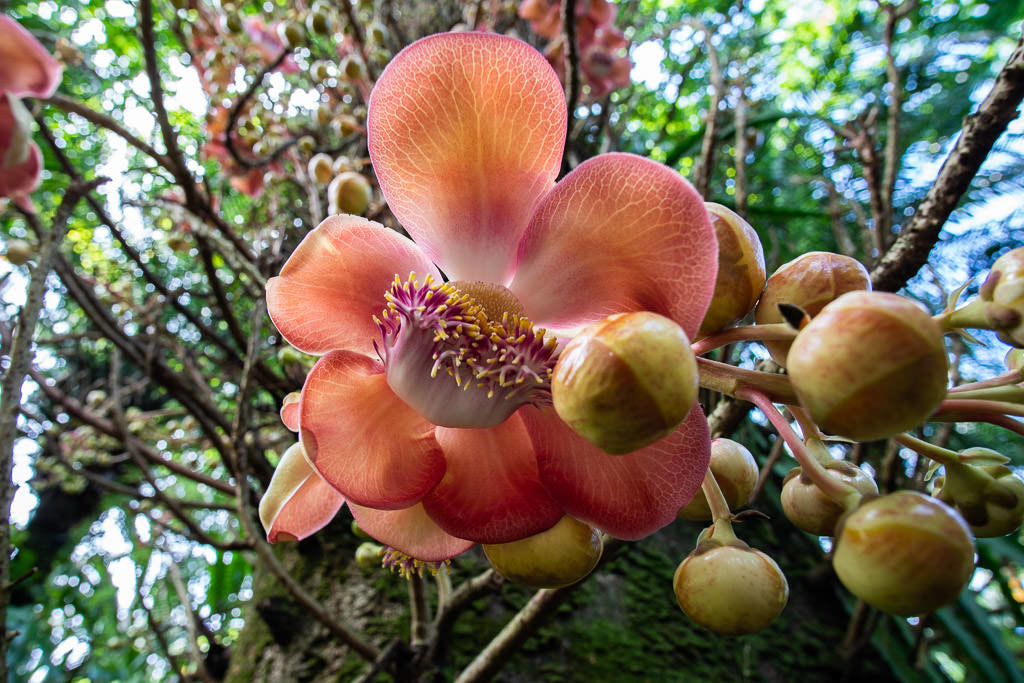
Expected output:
{"points": [[429, 411], [26, 70]]}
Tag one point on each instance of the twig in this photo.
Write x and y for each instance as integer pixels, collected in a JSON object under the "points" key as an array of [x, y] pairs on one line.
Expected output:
{"points": [[73, 106], [572, 58], [740, 157], [980, 132], [702, 176], [190, 622]]}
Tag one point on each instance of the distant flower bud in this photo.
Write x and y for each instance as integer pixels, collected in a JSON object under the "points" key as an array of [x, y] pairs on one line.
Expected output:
{"points": [[368, 555], [19, 252], [735, 471], [560, 556], [870, 365], [810, 281], [904, 553], [990, 498], [320, 168], [626, 381], [318, 22], [353, 68], [741, 270], [291, 34], [349, 192], [731, 590]]}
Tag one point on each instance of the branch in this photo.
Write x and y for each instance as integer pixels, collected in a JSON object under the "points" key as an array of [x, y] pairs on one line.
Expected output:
{"points": [[73, 106], [980, 132], [702, 177], [572, 58]]}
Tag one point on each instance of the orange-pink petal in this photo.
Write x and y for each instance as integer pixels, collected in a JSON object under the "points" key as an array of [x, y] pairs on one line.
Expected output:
{"points": [[298, 502], [410, 531], [362, 438], [290, 411], [26, 68], [21, 162], [627, 496], [620, 233], [466, 132], [334, 283], [491, 491]]}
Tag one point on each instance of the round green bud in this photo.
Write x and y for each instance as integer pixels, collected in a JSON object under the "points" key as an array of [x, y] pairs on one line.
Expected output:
{"points": [[353, 68], [377, 33], [359, 533], [19, 252], [291, 34], [626, 381], [324, 115], [731, 590], [560, 556], [870, 365], [289, 355], [349, 192], [306, 144], [736, 472], [1004, 292], [905, 553], [990, 498], [233, 22], [318, 22], [810, 281], [320, 71], [809, 509], [368, 555], [741, 270]]}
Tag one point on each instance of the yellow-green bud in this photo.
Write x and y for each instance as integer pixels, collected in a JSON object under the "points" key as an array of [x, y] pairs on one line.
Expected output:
{"points": [[291, 34], [870, 365], [626, 381], [905, 553], [306, 144], [323, 114], [353, 68], [810, 281], [741, 270], [233, 23], [349, 192], [735, 471], [731, 590], [558, 557], [318, 22], [809, 509], [320, 168], [368, 555], [320, 71], [990, 498]]}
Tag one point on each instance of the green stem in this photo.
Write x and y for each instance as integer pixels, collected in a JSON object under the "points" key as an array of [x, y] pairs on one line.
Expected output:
{"points": [[729, 380], [839, 491], [722, 530], [979, 407], [1011, 394], [943, 456], [1011, 377], [769, 332]]}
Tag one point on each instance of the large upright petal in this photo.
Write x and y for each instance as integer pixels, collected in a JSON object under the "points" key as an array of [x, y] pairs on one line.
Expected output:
{"points": [[620, 233], [411, 531], [298, 502], [362, 438], [26, 68], [491, 492], [628, 496], [334, 283], [466, 131]]}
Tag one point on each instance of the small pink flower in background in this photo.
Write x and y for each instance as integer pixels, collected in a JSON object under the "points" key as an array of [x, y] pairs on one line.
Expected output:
{"points": [[604, 62], [429, 411], [26, 70]]}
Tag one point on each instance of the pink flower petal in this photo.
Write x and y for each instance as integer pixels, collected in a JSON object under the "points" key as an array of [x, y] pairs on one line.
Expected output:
{"points": [[466, 133], [334, 283], [628, 496], [410, 531], [619, 234], [21, 179], [491, 492], [26, 68], [362, 438], [298, 502], [21, 162], [290, 411]]}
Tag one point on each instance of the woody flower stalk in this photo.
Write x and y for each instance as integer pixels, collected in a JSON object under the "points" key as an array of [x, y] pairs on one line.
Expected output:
{"points": [[429, 412]]}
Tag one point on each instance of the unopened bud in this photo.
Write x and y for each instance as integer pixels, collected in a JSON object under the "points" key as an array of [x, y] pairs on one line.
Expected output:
{"points": [[735, 470], [870, 365], [741, 269], [318, 22], [731, 590], [905, 553], [810, 281], [19, 252], [558, 557], [291, 34], [368, 555], [990, 498], [350, 193], [626, 381], [808, 508], [320, 168], [1003, 291]]}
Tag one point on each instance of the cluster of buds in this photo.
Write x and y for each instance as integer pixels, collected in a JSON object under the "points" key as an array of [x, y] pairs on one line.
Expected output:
{"points": [[348, 191]]}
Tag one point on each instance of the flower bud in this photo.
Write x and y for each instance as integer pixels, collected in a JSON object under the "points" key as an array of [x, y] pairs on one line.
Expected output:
{"points": [[19, 252], [320, 168], [809, 509], [990, 498], [368, 555], [320, 71], [1014, 360], [349, 192], [353, 68], [870, 365], [735, 471], [731, 590], [810, 281], [358, 531], [233, 22], [741, 270], [626, 381], [307, 144], [558, 557], [1003, 290], [905, 553], [291, 34], [318, 22]]}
